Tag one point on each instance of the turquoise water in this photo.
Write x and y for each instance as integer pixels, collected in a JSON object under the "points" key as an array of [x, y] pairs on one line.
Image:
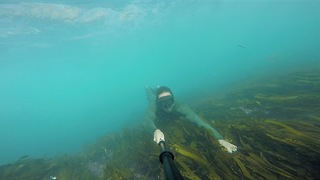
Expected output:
{"points": [[71, 72]]}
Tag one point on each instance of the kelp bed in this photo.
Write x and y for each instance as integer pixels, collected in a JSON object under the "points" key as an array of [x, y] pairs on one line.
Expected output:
{"points": [[274, 121]]}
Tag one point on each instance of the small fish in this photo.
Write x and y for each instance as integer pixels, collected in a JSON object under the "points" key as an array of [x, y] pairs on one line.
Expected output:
{"points": [[239, 45]]}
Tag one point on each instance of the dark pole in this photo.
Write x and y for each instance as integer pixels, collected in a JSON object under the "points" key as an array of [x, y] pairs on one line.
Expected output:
{"points": [[166, 158]]}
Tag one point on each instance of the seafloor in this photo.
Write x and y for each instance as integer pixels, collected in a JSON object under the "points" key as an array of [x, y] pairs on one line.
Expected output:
{"points": [[274, 121]]}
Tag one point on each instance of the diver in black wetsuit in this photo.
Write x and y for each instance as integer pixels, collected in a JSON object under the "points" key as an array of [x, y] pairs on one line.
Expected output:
{"points": [[163, 106]]}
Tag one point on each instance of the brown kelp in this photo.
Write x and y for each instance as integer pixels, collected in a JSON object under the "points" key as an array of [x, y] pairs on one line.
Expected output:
{"points": [[274, 121]]}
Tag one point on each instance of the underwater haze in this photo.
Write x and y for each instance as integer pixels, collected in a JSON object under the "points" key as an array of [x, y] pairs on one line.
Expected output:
{"points": [[73, 71]]}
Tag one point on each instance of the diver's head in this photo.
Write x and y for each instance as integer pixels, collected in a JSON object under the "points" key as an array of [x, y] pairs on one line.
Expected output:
{"points": [[165, 99]]}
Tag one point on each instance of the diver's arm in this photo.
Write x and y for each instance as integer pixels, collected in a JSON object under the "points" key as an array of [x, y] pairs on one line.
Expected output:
{"points": [[150, 115], [192, 116], [150, 125], [150, 118]]}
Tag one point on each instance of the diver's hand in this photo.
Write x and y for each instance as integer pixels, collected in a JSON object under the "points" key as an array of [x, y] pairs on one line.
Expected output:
{"points": [[230, 147], [158, 136]]}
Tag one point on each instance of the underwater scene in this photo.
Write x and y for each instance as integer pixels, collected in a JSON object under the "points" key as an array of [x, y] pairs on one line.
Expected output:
{"points": [[73, 76], [274, 121]]}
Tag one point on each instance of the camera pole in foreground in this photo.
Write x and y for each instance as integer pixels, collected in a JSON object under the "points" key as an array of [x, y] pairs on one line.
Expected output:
{"points": [[166, 158]]}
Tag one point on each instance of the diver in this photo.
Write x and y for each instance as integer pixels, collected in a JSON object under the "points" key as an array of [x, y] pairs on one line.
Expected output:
{"points": [[162, 106]]}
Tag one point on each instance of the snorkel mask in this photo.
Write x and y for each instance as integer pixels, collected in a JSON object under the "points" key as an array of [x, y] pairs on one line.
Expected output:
{"points": [[165, 99]]}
